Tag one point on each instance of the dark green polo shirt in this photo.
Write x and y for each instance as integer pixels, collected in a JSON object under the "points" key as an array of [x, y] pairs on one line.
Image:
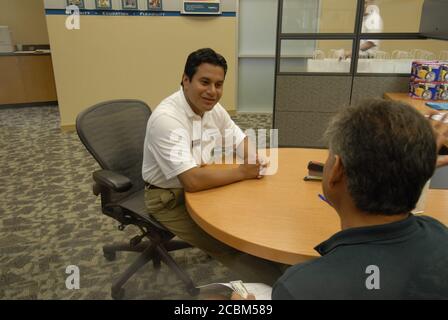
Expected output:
{"points": [[409, 259]]}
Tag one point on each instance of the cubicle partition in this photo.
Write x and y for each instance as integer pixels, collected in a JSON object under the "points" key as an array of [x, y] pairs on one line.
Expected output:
{"points": [[375, 86], [304, 105], [316, 72]]}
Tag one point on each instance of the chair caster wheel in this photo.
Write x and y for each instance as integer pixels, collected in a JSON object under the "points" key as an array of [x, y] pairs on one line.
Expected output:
{"points": [[157, 264], [193, 291], [110, 256], [117, 294]]}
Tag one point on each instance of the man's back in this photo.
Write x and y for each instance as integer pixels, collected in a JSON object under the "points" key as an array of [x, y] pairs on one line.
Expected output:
{"points": [[401, 260]]}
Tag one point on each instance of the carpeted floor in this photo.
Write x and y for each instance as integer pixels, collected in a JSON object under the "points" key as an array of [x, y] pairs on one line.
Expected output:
{"points": [[49, 218]]}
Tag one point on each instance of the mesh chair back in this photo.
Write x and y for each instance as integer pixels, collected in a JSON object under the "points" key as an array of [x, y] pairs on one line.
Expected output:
{"points": [[114, 133]]}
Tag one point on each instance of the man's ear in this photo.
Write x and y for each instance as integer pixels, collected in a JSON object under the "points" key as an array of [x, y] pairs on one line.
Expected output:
{"points": [[336, 173], [185, 79]]}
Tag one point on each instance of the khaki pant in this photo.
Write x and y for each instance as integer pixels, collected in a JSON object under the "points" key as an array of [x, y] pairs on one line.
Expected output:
{"points": [[168, 207]]}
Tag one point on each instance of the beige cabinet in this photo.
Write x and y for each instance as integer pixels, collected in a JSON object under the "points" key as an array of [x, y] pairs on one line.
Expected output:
{"points": [[26, 79]]}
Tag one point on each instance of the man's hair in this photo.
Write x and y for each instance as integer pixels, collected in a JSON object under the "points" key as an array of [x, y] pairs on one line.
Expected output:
{"points": [[205, 55], [388, 151]]}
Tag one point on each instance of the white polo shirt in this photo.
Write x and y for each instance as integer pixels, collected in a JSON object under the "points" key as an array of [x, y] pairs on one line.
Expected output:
{"points": [[177, 139]]}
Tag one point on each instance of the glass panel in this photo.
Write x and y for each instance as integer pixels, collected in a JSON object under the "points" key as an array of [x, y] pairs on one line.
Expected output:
{"points": [[315, 56], [257, 32], [256, 68], [396, 56], [324, 16], [256, 85], [392, 16]]}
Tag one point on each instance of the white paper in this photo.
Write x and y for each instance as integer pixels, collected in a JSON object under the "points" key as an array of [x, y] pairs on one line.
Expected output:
{"points": [[261, 291]]}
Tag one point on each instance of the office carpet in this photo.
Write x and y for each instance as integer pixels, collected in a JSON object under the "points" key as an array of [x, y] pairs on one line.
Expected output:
{"points": [[49, 218]]}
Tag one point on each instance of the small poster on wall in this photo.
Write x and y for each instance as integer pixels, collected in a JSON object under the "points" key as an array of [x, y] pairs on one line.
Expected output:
{"points": [[78, 3], [129, 4], [103, 4], [155, 5]]}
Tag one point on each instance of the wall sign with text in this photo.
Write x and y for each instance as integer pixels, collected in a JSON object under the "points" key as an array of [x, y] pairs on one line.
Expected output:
{"points": [[201, 7]]}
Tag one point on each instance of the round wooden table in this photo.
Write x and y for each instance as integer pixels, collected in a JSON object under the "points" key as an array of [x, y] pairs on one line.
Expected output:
{"points": [[280, 217]]}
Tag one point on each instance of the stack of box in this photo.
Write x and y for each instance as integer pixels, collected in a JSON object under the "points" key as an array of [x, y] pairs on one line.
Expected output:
{"points": [[429, 80], [5, 40]]}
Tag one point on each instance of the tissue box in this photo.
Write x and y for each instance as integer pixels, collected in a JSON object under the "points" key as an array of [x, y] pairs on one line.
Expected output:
{"points": [[424, 90], [443, 91], [428, 71]]}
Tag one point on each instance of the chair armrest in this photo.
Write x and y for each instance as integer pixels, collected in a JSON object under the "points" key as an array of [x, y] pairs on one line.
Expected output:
{"points": [[112, 180]]}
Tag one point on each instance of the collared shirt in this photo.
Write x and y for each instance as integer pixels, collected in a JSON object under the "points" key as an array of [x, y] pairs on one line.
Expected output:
{"points": [[407, 259], [177, 139]]}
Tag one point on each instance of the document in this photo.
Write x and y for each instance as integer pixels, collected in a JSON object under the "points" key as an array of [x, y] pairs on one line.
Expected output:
{"points": [[261, 291]]}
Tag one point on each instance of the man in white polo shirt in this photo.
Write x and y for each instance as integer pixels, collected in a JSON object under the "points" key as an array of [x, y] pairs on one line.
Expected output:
{"points": [[181, 136]]}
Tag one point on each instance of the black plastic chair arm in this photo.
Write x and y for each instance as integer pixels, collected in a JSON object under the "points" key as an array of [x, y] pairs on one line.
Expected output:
{"points": [[112, 180]]}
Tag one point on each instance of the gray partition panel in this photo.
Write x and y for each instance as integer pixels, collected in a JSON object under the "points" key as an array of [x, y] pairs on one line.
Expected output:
{"points": [[312, 93], [301, 129], [375, 87], [440, 179]]}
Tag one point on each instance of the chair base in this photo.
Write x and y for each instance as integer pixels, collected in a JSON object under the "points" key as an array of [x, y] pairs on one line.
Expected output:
{"points": [[155, 251]]}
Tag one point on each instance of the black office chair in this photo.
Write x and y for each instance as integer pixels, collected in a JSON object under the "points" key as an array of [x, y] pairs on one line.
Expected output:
{"points": [[114, 132]]}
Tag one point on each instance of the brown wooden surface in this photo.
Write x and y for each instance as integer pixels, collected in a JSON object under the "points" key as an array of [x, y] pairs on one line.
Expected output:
{"points": [[416, 103], [26, 79], [404, 97], [11, 85], [38, 78], [279, 217]]}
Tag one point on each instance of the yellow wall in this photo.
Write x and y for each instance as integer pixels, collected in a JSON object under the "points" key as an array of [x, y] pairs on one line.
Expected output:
{"points": [[132, 57], [26, 20], [401, 15], [337, 16]]}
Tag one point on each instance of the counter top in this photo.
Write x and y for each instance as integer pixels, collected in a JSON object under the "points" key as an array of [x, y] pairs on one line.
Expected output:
{"points": [[26, 53]]}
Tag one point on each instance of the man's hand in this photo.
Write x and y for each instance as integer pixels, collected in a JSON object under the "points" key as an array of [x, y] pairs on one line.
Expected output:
{"points": [[250, 171], [346, 55], [363, 47], [236, 296], [441, 132], [264, 164]]}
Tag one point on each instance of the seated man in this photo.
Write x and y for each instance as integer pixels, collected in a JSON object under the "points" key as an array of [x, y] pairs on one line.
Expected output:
{"points": [[181, 136], [381, 155]]}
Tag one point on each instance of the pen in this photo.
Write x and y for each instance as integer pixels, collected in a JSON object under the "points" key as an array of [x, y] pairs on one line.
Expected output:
{"points": [[323, 198]]}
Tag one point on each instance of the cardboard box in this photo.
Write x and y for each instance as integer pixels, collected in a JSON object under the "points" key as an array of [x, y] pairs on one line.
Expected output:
{"points": [[443, 91], [428, 71], [424, 90], [444, 72]]}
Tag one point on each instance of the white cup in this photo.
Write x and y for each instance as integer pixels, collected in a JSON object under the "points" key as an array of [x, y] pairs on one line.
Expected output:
{"points": [[420, 206]]}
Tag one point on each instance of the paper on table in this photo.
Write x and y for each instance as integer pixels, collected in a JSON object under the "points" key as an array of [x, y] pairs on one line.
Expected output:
{"points": [[261, 291]]}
